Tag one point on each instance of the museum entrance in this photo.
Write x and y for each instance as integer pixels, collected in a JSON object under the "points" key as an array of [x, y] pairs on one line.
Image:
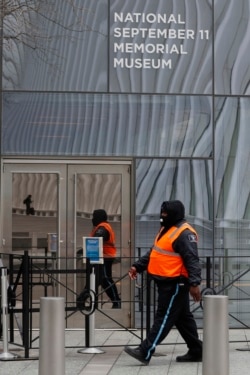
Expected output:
{"points": [[47, 210]]}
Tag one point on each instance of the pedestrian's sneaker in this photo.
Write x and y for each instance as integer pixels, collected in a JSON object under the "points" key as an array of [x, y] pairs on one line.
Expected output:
{"points": [[189, 357], [137, 354], [117, 304]]}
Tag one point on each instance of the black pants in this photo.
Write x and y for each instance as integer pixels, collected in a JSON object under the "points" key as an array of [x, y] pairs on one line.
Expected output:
{"points": [[173, 309], [104, 278]]}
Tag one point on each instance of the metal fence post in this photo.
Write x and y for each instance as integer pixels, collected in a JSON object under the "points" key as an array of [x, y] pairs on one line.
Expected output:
{"points": [[26, 302], [52, 336], [215, 336], [90, 349]]}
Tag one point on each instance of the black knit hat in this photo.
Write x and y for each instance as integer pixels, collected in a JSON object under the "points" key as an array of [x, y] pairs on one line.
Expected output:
{"points": [[174, 209]]}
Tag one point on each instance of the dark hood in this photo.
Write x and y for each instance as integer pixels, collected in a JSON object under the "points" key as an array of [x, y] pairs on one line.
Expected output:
{"points": [[175, 210], [99, 216]]}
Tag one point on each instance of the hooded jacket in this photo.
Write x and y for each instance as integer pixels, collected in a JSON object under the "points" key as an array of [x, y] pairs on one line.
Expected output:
{"points": [[179, 241], [103, 229]]}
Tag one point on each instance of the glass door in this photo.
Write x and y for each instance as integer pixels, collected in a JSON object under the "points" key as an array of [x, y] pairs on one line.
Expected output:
{"points": [[34, 220], [47, 209], [92, 187]]}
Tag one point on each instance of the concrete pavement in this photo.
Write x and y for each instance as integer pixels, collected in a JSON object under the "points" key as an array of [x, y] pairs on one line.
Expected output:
{"points": [[114, 361]]}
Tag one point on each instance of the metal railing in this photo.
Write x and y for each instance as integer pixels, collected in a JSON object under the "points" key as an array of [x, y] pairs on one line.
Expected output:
{"points": [[29, 274]]}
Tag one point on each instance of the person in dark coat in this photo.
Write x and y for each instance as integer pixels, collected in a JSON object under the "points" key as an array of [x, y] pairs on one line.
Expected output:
{"points": [[173, 264], [102, 228], [27, 201]]}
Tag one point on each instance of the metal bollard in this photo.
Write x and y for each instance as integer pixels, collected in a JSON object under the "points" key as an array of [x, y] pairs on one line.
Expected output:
{"points": [[215, 336], [52, 336], [5, 355]]}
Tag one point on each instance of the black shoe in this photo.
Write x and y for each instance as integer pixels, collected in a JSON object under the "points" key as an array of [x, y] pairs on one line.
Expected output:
{"points": [[79, 304], [189, 358], [117, 305], [137, 354]]}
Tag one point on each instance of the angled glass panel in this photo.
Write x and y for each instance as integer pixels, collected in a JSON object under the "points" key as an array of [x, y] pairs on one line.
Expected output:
{"points": [[187, 180], [231, 47], [232, 206], [107, 125], [58, 45], [161, 46]]}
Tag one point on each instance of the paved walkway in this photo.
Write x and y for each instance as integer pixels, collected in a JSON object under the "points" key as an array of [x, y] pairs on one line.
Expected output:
{"points": [[115, 361]]}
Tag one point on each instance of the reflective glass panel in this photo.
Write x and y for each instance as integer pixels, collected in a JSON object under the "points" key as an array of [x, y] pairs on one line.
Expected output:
{"points": [[187, 180], [232, 206], [140, 46], [231, 47], [161, 46], [58, 45], [94, 192], [35, 225], [107, 125]]}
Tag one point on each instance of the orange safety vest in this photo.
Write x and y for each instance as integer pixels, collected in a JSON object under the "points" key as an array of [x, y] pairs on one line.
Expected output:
{"points": [[164, 261], [109, 249]]}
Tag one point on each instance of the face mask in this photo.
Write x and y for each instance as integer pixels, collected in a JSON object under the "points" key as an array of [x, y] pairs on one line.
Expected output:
{"points": [[165, 221]]}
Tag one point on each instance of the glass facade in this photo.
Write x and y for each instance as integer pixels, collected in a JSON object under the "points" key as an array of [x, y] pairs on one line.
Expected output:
{"points": [[106, 125], [164, 83]]}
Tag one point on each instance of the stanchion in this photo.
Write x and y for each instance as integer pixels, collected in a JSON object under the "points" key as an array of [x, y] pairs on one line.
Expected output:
{"points": [[52, 336], [91, 321], [5, 355], [215, 336]]}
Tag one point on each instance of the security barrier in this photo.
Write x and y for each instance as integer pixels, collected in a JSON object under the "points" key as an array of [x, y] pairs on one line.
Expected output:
{"points": [[24, 277], [145, 297]]}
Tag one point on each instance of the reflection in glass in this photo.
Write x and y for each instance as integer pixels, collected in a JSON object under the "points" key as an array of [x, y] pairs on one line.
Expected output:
{"points": [[98, 191], [232, 205], [232, 176], [34, 219], [60, 45], [32, 228], [231, 47], [187, 180], [108, 125], [144, 62]]}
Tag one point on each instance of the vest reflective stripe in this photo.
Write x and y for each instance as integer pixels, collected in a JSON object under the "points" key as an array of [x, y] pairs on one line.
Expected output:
{"points": [[164, 261], [174, 232], [165, 252], [109, 249]]}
